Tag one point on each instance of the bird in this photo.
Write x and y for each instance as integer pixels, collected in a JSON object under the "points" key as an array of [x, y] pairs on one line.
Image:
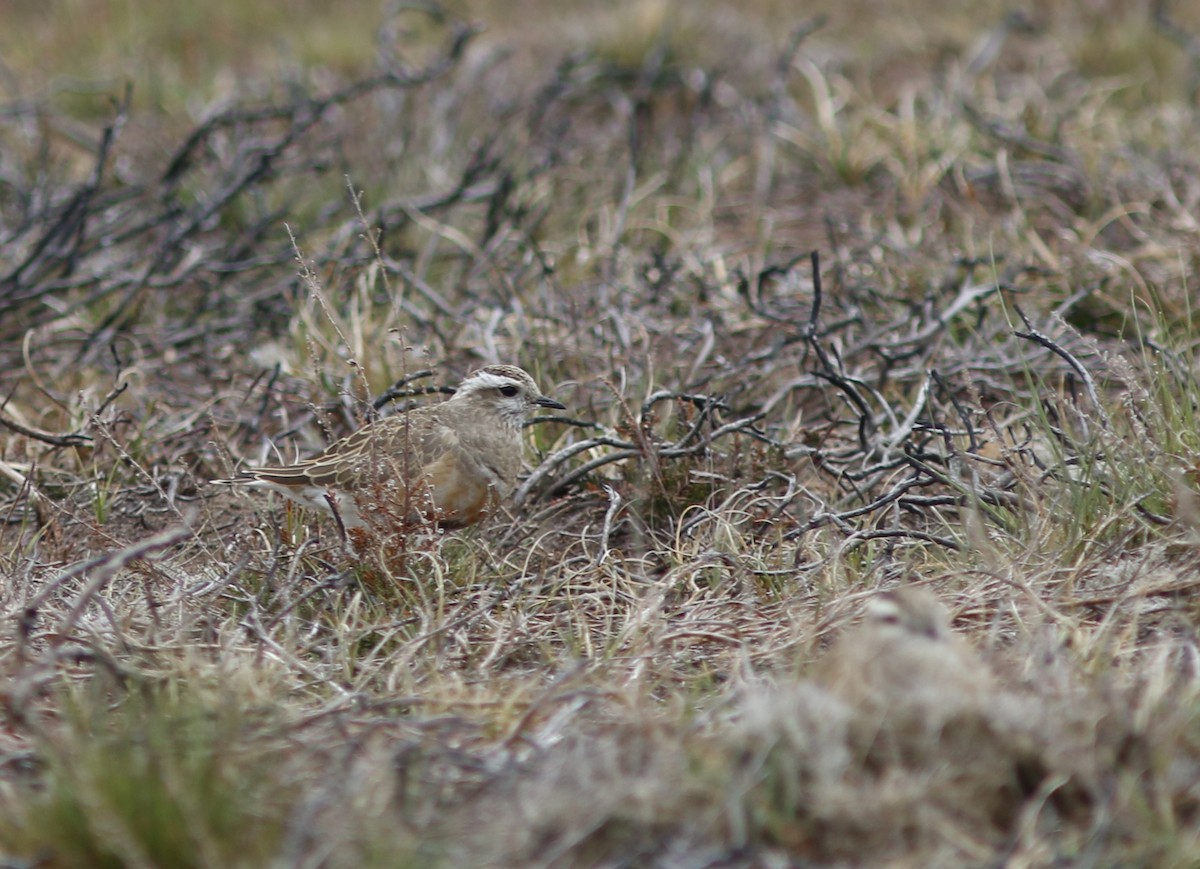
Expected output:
{"points": [[447, 465], [904, 657], [925, 701]]}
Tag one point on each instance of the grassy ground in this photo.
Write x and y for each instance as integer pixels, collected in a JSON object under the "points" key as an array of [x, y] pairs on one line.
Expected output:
{"points": [[221, 237]]}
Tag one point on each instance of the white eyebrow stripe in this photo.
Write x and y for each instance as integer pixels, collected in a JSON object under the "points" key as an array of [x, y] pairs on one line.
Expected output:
{"points": [[485, 380]]}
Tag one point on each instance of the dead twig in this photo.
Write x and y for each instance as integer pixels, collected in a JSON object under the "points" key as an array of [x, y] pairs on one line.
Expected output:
{"points": [[71, 439], [103, 568], [1057, 349]]}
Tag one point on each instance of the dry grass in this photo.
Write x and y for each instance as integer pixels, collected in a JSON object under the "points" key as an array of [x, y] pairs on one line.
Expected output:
{"points": [[987, 388]]}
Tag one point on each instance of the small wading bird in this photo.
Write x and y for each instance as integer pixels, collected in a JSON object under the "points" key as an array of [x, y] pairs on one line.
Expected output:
{"points": [[905, 655], [448, 464], [924, 701]]}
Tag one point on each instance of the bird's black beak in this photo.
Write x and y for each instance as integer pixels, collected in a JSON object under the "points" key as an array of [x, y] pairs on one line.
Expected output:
{"points": [[546, 401]]}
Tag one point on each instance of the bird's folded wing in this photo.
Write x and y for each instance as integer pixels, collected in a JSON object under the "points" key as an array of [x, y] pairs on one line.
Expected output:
{"points": [[397, 447]]}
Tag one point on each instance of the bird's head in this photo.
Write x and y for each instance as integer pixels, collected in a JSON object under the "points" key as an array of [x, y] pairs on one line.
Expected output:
{"points": [[507, 391], [910, 611]]}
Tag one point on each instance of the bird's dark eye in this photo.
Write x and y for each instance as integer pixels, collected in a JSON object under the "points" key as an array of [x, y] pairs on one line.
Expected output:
{"points": [[509, 391]]}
